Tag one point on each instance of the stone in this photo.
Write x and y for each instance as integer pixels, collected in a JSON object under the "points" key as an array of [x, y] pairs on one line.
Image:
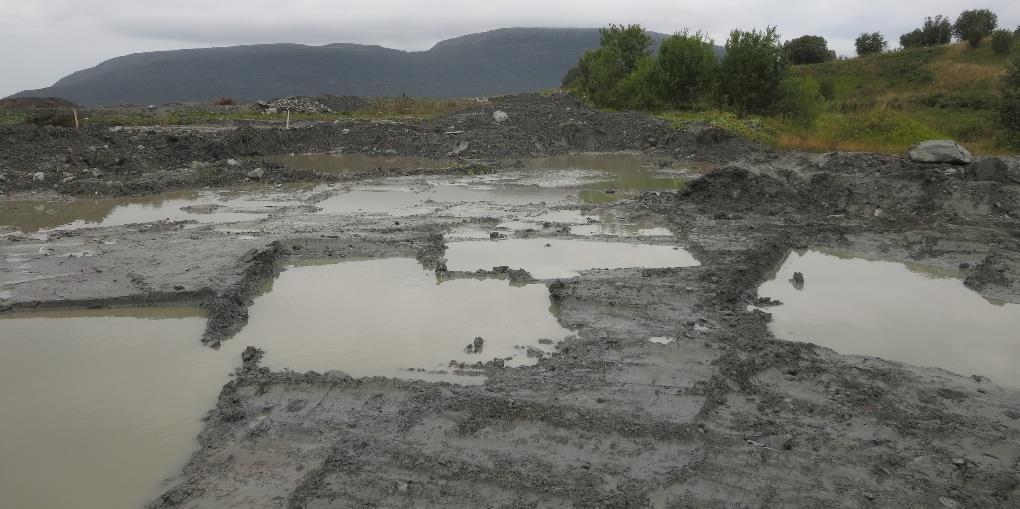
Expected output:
{"points": [[38, 176], [500, 116], [459, 148], [257, 173], [940, 151], [232, 162]]}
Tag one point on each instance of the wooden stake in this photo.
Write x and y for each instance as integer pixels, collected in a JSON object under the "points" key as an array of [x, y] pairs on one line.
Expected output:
{"points": [[288, 118], [76, 126]]}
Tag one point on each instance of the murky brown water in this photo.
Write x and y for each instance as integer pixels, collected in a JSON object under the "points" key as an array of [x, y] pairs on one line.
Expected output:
{"points": [[99, 407], [382, 317], [897, 312], [561, 258]]}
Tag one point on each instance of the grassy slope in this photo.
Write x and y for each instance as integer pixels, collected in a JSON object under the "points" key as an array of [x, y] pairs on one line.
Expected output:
{"points": [[890, 101]]}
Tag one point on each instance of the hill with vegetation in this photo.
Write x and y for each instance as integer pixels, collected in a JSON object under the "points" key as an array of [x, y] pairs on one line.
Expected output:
{"points": [[889, 101]]}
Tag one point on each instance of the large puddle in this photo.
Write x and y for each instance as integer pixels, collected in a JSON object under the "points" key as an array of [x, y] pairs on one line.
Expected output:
{"points": [[895, 311], [98, 408], [199, 206], [562, 258], [355, 163], [392, 318]]}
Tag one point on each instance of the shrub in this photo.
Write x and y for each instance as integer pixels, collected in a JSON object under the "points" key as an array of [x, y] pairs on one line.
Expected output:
{"points": [[807, 49], [1009, 109], [752, 70], [601, 70], [870, 44], [688, 68], [933, 32], [641, 89], [800, 101], [974, 25], [223, 101], [1002, 41]]}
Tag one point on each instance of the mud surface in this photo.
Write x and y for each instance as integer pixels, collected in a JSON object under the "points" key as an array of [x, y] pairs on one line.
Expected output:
{"points": [[715, 412]]}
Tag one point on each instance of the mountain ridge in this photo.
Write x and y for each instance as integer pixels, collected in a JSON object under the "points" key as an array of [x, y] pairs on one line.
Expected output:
{"points": [[494, 62]]}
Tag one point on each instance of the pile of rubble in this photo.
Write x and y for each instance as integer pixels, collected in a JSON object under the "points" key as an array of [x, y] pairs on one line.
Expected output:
{"points": [[294, 104]]}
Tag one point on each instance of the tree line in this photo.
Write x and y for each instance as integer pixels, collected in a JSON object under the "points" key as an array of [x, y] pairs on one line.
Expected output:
{"points": [[688, 73], [751, 75]]}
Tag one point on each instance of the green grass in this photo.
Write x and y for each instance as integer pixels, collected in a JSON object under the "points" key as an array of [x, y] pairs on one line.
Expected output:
{"points": [[751, 127], [888, 102], [8, 117]]}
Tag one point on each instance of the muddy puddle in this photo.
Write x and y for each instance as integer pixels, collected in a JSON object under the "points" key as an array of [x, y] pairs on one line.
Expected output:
{"points": [[199, 206], [906, 313], [99, 407], [391, 317], [355, 163], [548, 258]]}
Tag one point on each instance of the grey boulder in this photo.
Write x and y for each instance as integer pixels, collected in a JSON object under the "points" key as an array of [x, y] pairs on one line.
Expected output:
{"points": [[940, 151]]}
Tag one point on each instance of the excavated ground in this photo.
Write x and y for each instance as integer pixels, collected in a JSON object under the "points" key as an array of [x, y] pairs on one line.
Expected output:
{"points": [[724, 416]]}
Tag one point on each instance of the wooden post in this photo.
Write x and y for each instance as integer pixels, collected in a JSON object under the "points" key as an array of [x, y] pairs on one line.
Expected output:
{"points": [[288, 118], [76, 126]]}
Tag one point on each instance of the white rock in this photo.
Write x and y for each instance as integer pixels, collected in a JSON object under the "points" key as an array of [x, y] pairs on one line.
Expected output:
{"points": [[257, 173], [39, 176], [500, 116], [232, 162]]}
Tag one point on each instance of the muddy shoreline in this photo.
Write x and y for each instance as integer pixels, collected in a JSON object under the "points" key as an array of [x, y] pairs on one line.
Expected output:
{"points": [[724, 415]]}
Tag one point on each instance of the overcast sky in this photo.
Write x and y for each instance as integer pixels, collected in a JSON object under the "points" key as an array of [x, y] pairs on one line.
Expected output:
{"points": [[44, 40]]}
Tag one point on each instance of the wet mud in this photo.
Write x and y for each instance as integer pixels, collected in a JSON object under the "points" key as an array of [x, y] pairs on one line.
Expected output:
{"points": [[674, 387]]}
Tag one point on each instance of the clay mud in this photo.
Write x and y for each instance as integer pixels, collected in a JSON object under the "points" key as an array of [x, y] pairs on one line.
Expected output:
{"points": [[662, 381]]}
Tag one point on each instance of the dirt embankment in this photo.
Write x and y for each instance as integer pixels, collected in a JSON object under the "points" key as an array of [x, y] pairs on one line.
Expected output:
{"points": [[110, 161]]}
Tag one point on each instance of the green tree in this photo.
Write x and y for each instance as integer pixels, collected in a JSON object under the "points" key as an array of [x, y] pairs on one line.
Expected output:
{"points": [[642, 88], [688, 67], [807, 49], [974, 25], [870, 44], [933, 32], [1002, 41], [601, 70], [752, 70], [1010, 105], [800, 101]]}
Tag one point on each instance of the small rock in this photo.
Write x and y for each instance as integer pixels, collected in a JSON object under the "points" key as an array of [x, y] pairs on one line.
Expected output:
{"points": [[179, 288], [345, 131], [959, 462], [779, 442], [38, 176], [46, 251], [257, 173], [116, 129], [948, 502], [500, 116], [3, 177], [232, 162]]}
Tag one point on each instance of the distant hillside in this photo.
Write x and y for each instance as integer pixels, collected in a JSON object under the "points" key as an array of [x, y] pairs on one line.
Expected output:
{"points": [[496, 62]]}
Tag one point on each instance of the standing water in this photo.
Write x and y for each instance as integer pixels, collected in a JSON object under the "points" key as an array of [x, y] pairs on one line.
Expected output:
{"points": [[897, 312], [98, 408]]}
